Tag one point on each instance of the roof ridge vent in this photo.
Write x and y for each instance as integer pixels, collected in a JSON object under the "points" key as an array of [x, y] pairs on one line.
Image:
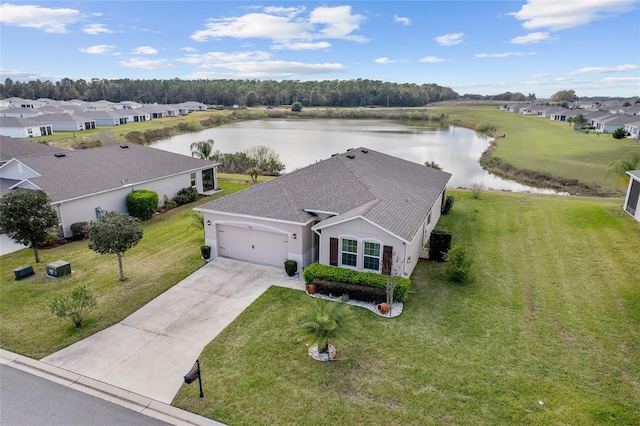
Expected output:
{"points": [[364, 151], [59, 154], [351, 156], [124, 146]]}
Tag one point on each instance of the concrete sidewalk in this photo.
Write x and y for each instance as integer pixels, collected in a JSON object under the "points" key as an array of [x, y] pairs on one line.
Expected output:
{"points": [[150, 351]]}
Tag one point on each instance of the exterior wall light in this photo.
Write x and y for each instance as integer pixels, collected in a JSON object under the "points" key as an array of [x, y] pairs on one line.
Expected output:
{"points": [[295, 236], [209, 223]]}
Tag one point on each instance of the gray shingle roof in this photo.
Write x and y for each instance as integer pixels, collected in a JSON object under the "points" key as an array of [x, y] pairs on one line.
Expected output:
{"points": [[89, 171], [634, 173], [393, 193], [16, 148]]}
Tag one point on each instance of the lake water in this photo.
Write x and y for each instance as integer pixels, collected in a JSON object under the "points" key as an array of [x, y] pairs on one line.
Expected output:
{"points": [[300, 142]]}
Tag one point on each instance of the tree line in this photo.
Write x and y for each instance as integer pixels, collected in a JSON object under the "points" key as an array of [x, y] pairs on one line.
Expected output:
{"points": [[327, 93]]}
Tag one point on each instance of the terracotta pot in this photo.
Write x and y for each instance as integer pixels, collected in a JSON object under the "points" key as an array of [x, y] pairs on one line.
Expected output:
{"points": [[383, 308], [311, 289]]}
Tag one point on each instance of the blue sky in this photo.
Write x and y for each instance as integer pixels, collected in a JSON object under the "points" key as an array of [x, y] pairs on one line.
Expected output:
{"points": [[483, 47]]}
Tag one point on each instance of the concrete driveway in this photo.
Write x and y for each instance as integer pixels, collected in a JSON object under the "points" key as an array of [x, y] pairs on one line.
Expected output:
{"points": [[150, 351]]}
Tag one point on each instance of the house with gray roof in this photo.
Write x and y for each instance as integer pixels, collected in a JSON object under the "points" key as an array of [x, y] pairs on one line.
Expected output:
{"points": [[85, 183], [24, 127], [361, 210], [631, 204], [67, 122]]}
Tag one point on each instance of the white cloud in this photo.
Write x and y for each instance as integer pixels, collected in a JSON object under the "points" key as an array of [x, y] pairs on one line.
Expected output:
{"points": [[46, 19], [144, 50], [431, 59], [449, 39], [560, 15], [385, 60], [99, 49], [404, 21], [96, 29], [620, 79], [541, 75], [286, 45], [148, 64], [601, 70], [210, 59], [268, 70], [502, 55], [188, 49], [284, 24], [531, 38]]}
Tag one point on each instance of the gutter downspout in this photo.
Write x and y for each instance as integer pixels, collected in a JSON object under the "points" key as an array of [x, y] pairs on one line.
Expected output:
{"points": [[319, 243], [404, 264]]}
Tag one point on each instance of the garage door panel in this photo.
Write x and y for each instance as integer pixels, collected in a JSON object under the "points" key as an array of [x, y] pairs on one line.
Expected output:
{"points": [[252, 245]]}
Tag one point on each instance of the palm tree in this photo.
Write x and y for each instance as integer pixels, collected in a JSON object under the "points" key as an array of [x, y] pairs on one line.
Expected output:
{"points": [[620, 168], [579, 121], [323, 321], [202, 149]]}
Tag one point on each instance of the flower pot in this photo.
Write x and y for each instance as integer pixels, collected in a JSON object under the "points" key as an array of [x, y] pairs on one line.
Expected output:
{"points": [[383, 308], [311, 289]]}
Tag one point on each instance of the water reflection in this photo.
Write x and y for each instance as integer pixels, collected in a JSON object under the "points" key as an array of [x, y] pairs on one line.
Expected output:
{"points": [[303, 142]]}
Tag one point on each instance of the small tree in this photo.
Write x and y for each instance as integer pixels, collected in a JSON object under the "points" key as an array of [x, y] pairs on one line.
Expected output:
{"points": [[296, 107], [114, 233], [254, 172], [26, 216], [433, 165], [619, 133], [203, 149], [459, 263], [620, 168], [476, 189], [75, 306], [323, 321]]}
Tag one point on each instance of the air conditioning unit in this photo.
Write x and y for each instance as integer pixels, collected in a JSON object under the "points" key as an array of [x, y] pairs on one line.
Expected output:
{"points": [[58, 269]]}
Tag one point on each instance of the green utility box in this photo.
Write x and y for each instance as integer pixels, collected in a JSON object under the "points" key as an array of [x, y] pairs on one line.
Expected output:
{"points": [[58, 269], [23, 272]]}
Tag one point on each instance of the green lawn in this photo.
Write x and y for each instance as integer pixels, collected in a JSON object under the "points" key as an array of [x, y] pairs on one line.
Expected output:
{"points": [[168, 252], [552, 316], [543, 145]]}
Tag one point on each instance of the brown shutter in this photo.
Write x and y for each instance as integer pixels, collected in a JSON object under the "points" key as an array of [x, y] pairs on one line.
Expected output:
{"points": [[387, 260], [333, 251]]}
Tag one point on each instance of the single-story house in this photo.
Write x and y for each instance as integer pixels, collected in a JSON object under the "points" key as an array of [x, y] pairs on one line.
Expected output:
{"points": [[361, 209], [193, 106], [631, 205], [104, 118], [611, 123], [83, 184], [16, 148], [20, 112], [67, 122], [24, 127]]}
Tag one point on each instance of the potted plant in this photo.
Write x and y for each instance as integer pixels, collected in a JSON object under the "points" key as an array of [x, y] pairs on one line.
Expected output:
{"points": [[206, 252], [290, 267]]}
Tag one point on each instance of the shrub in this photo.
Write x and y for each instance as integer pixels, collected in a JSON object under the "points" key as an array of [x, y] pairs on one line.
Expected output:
{"points": [[459, 264], [169, 204], [79, 231], [486, 128], [296, 107], [353, 291], [619, 133], [448, 204], [186, 195], [439, 244], [476, 189], [290, 267], [142, 203], [349, 276], [75, 305]]}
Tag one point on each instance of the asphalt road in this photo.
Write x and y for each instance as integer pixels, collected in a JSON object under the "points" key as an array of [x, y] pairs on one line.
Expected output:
{"points": [[28, 400]]}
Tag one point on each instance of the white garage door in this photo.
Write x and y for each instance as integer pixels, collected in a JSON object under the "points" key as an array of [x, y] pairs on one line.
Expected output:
{"points": [[249, 244]]}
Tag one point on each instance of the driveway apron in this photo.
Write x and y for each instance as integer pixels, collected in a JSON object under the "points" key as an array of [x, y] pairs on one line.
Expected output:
{"points": [[151, 350]]}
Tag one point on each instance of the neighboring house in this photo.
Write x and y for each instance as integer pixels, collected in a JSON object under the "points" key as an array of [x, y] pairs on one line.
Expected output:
{"points": [[67, 122], [24, 127], [20, 112], [361, 210], [631, 204], [633, 129], [611, 123], [83, 184], [193, 106], [105, 118]]}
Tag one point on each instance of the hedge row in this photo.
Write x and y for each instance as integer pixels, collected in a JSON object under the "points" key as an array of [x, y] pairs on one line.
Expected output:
{"points": [[354, 291], [349, 276]]}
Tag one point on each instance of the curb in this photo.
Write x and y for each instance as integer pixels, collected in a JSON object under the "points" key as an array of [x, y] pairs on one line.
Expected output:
{"points": [[113, 394]]}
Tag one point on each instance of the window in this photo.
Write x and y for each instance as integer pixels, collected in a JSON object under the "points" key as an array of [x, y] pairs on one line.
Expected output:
{"points": [[193, 179], [429, 219], [349, 252], [371, 256]]}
